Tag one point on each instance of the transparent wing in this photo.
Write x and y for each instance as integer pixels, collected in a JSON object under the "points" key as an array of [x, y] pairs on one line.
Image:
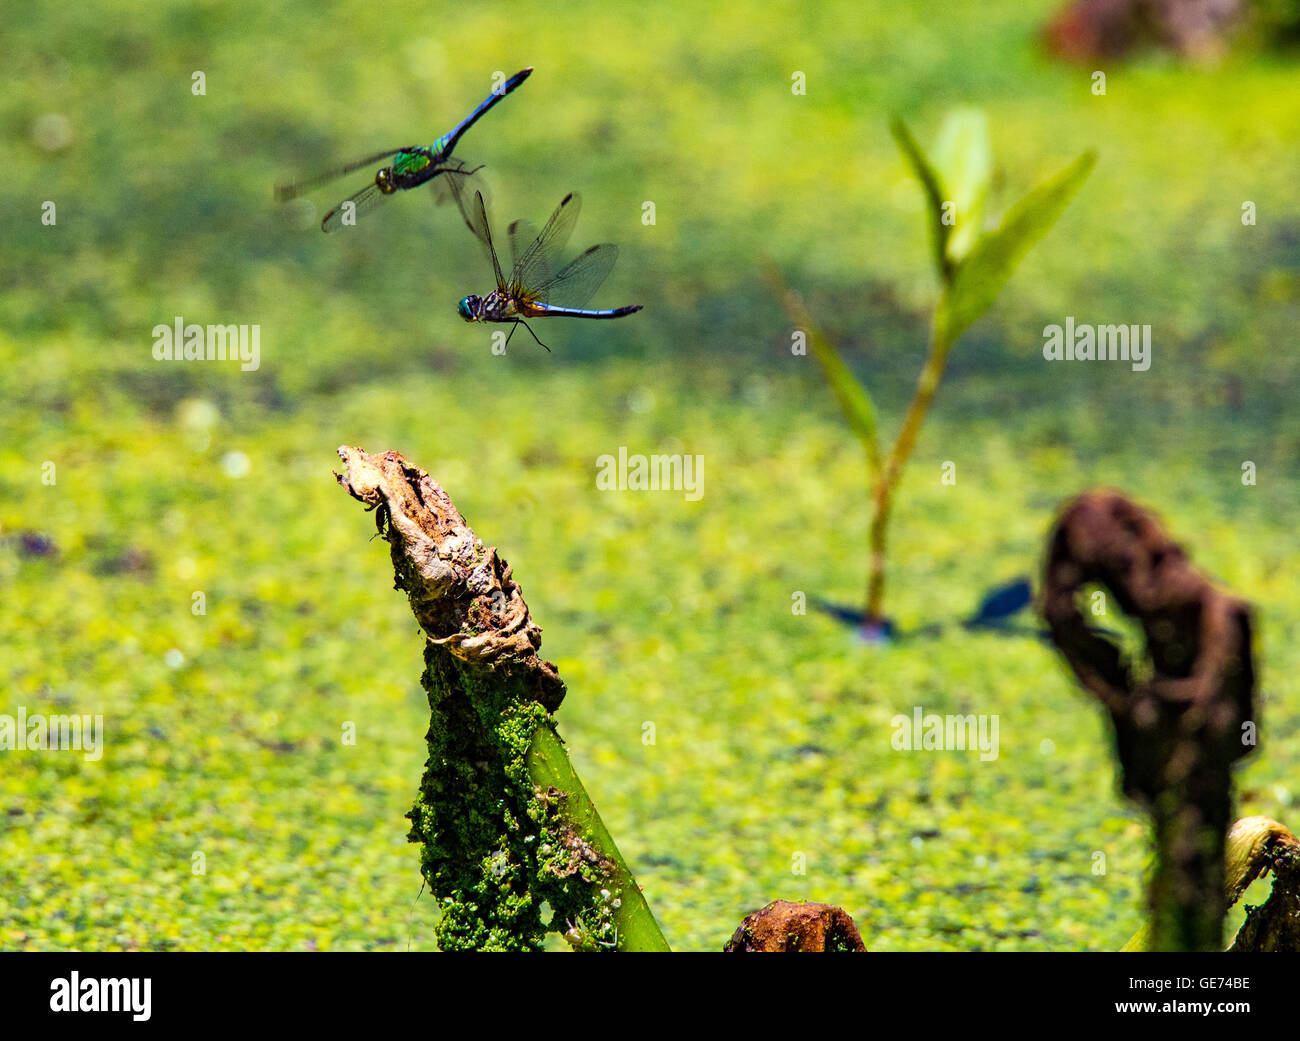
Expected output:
{"points": [[482, 221], [285, 192], [367, 199], [538, 261], [579, 280], [457, 181], [460, 183], [523, 233]]}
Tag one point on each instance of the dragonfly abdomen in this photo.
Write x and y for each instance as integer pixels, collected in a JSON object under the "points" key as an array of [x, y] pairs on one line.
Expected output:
{"points": [[549, 310]]}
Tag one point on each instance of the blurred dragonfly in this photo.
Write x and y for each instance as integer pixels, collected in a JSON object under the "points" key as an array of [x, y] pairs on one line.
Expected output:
{"points": [[534, 279], [407, 167]]}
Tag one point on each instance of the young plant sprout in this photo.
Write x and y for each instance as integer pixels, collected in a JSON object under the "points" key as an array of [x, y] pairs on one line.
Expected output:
{"points": [[972, 264]]}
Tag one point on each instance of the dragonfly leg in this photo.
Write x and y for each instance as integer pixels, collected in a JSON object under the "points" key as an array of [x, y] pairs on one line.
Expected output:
{"points": [[533, 335]]}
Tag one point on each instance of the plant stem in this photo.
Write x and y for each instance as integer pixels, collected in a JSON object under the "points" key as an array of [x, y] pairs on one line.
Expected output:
{"points": [[1188, 903], [506, 828], [927, 384], [550, 769]]}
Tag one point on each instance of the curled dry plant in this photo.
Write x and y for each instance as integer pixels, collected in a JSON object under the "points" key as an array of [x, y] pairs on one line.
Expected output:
{"points": [[1256, 846], [1182, 715]]}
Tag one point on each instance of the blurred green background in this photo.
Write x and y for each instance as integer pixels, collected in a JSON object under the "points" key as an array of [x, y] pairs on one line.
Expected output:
{"points": [[223, 730]]}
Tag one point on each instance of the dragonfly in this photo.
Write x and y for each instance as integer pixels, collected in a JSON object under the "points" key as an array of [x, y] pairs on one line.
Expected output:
{"points": [[534, 279], [406, 168]]}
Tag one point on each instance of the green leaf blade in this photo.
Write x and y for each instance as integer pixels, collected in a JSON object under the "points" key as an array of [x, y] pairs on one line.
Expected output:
{"points": [[856, 403], [930, 181], [979, 279], [963, 158]]}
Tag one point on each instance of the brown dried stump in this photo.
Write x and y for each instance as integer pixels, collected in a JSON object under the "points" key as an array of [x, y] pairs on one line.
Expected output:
{"points": [[785, 926], [1183, 718]]}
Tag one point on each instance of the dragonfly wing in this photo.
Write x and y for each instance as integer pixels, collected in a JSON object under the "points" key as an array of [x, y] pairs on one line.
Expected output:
{"points": [[285, 192], [459, 183], [523, 233], [534, 268], [482, 221], [456, 181], [578, 281], [367, 199]]}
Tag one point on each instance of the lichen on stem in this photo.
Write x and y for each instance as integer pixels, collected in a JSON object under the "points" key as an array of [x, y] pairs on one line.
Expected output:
{"points": [[511, 845]]}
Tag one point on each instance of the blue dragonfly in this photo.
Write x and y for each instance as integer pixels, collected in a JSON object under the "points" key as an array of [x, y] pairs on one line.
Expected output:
{"points": [[534, 281], [406, 167]]}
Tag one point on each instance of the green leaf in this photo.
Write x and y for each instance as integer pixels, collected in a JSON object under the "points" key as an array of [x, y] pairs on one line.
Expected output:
{"points": [[979, 278], [858, 407], [852, 396], [963, 158], [929, 178]]}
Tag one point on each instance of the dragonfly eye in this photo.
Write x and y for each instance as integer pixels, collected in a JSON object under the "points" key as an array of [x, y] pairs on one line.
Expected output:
{"points": [[467, 308], [384, 181]]}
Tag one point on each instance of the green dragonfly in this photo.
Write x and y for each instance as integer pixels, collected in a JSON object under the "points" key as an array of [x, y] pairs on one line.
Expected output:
{"points": [[407, 167], [534, 279]]}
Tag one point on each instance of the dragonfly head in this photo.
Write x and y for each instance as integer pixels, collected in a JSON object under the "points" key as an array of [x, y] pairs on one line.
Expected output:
{"points": [[384, 181], [471, 308]]}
